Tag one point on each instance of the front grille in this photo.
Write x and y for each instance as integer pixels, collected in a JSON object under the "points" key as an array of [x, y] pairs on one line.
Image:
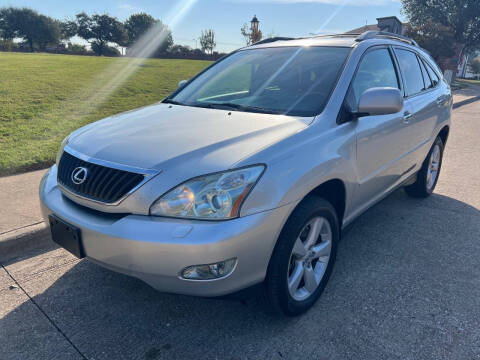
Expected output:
{"points": [[104, 184]]}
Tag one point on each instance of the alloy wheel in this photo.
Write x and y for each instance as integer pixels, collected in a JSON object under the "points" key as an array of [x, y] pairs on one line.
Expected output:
{"points": [[433, 167], [309, 259]]}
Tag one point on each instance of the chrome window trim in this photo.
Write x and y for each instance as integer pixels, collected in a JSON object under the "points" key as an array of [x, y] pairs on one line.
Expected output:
{"points": [[147, 173]]}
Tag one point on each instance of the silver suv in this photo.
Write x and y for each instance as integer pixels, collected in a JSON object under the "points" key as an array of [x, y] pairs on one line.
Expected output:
{"points": [[249, 171]]}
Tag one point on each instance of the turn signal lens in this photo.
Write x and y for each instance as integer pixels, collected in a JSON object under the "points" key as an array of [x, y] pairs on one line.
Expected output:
{"points": [[60, 150]]}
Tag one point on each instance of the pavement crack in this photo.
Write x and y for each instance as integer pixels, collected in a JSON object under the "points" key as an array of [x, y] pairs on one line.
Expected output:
{"points": [[34, 275], [44, 314]]}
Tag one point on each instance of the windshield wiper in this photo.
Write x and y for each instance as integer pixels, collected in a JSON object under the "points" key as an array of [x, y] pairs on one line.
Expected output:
{"points": [[174, 102], [262, 110], [217, 105], [235, 106]]}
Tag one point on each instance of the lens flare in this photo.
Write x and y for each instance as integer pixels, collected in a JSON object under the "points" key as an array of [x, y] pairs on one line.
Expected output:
{"points": [[142, 49], [88, 98], [332, 15], [276, 73]]}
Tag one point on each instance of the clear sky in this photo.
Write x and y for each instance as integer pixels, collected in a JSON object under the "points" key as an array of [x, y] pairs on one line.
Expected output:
{"points": [[187, 18]]}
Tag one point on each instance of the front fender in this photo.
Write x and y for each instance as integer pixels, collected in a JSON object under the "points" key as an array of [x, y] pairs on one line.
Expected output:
{"points": [[300, 163]]}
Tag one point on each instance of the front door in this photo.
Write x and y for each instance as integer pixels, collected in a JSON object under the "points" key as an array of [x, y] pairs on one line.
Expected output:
{"points": [[382, 140]]}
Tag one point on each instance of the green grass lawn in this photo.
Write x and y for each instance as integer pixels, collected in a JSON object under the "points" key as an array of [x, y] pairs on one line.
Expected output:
{"points": [[469, 81], [457, 85], [44, 97]]}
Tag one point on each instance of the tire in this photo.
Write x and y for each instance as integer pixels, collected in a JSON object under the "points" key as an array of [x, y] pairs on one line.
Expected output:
{"points": [[424, 185], [311, 215]]}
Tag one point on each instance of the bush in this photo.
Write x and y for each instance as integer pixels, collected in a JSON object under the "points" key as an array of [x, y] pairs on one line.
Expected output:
{"points": [[76, 49], [106, 50], [8, 45], [186, 52], [475, 65]]}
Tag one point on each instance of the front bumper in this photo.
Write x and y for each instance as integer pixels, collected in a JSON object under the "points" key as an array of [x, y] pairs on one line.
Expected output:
{"points": [[156, 249]]}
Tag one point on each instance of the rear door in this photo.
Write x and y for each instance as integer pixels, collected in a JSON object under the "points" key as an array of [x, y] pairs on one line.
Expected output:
{"points": [[421, 96], [381, 139]]}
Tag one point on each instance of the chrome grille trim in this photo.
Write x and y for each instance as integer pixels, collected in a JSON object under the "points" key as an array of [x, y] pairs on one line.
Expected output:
{"points": [[102, 175], [110, 164]]}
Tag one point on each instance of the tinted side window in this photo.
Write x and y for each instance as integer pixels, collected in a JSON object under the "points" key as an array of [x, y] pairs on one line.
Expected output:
{"points": [[411, 71], [375, 70], [426, 77], [433, 74]]}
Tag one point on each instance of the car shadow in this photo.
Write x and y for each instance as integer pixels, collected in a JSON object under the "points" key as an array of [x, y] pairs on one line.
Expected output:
{"points": [[406, 285]]}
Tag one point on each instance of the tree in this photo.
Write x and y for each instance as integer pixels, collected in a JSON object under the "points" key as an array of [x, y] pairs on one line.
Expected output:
{"points": [[47, 32], [252, 36], [256, 36], [100, 30], [137, 25], [246, 35], [37, 30], [207, 41], [167, 39], [460, 16], [68, 29], [271, 34], [436, 38], [475, 66], [8, 26]]}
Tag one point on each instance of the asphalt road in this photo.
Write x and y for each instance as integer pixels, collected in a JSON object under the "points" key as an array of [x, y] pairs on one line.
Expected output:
{"points": [[406, 286]]}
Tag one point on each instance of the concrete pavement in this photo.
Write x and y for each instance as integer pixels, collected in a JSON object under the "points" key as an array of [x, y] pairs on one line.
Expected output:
{"points": [[21, 223], [19, 198], [466, 95], [406, 286]]}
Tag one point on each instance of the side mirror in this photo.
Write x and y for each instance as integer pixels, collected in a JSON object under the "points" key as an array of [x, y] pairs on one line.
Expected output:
{"points": [[182, 83], [380, 101]]}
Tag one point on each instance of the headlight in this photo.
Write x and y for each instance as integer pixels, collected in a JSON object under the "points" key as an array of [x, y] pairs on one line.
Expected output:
{"points": [[60, 151], [215, 197]]}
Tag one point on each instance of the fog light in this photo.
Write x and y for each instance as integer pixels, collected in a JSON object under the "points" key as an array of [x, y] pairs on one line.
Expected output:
{"points": [[209, 271]]}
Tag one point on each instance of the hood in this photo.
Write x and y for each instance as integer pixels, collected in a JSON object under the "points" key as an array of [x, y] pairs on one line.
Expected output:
{"points": [[162, 135]]}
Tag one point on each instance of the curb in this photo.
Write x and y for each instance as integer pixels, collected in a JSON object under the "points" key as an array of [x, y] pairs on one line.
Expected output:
{"points": [[466, 101], [26, 238]]}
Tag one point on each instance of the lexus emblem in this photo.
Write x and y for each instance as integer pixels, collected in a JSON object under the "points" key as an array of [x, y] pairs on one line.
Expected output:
{"points": [[79, 175]]}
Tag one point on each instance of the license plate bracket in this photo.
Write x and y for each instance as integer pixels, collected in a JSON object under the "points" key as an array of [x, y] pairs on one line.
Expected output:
{"points": [[67, 236]]}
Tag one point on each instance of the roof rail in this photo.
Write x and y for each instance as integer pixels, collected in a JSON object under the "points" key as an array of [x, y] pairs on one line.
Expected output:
{"points": [[336, 35], [372, 34], [273, 39]]}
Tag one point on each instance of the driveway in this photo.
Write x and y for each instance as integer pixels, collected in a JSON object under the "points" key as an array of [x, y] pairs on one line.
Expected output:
{"points": [[406, 286]]}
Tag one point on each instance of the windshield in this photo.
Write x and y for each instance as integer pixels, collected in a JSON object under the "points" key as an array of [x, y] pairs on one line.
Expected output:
{"points": [[293, 81]]}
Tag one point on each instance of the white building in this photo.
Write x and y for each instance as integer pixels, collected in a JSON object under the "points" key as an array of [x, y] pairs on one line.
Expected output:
{"points": [[463, 68]]}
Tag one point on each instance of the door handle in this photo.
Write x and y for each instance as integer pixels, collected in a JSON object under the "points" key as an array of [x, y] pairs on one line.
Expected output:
{"points": [[440, 101], [407, 117]]}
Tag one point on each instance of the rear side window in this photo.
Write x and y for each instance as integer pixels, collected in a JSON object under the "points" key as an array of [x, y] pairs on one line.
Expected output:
{"points": [[411, 71], [375, 70], [433, 74], [426, 77]]}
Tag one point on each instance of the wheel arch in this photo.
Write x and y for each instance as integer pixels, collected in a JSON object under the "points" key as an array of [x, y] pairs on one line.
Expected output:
{"points": [[334, 191], [444, 134]]}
